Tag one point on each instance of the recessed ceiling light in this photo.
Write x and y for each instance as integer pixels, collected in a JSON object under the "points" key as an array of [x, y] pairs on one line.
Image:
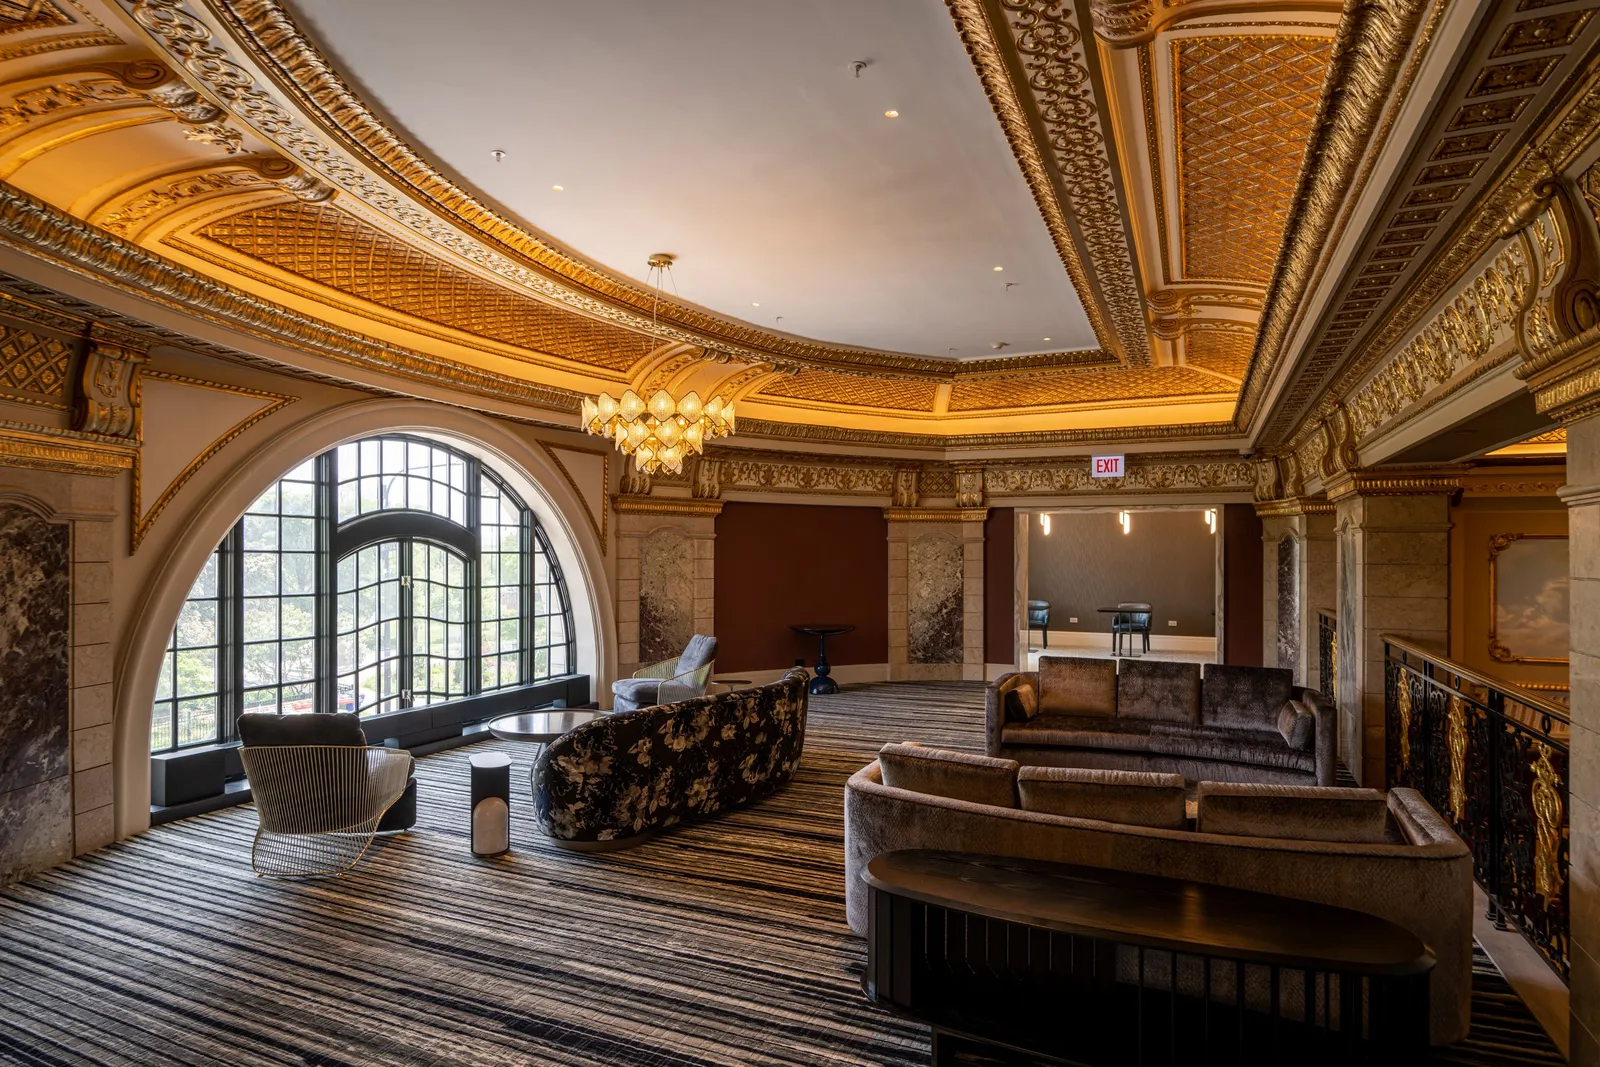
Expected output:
{"points": [[558, 188], [1047, 338], [754, 304], [891, 114], [999, 268]]}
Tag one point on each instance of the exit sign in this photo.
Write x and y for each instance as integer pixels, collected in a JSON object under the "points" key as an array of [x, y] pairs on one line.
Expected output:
{"points": [[1106, 466]]}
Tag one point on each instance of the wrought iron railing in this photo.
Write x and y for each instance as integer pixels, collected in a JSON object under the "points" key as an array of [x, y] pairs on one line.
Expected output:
{"points": [[1328, 654], [1493, 759]]}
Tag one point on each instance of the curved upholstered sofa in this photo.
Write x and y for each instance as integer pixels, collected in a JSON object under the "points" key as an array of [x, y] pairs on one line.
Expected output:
{"points": [[615, 782], [1422, 881]]}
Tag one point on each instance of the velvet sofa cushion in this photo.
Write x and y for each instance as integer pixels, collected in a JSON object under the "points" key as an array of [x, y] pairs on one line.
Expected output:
{"points": [[1292, 812], [264, 729], [957, 775], [1157, 691], [1022, 703], [1244, 698], [1075, 686], [1130, 798], [1298, 725], [1161, 739]]}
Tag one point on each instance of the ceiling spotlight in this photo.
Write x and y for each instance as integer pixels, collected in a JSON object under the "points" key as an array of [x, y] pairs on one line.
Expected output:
{"points": [[891, 114], [499, 155], [998, 345], [1047, 338], [558, 188], [754, 304], [997, 269]]}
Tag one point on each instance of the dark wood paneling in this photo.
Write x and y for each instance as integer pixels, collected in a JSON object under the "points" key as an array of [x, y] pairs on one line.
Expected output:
{"points": [[1242, 592], [779, 564], [999, 586]]}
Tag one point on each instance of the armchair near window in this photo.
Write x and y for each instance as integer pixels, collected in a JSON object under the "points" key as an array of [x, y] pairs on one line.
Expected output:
{"points": [[670, 680], [321, 792]]}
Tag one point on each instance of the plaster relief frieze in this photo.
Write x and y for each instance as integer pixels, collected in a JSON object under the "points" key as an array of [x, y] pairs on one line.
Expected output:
{"points": [[1481, 320], [1156, 476]]}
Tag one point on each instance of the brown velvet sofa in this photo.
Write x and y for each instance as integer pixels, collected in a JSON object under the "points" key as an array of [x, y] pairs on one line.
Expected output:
{"points": [[1233, 724], [1420, 878]]}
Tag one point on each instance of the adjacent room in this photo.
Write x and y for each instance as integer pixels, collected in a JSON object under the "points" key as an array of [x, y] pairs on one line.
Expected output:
{"points": [[982, 533]]}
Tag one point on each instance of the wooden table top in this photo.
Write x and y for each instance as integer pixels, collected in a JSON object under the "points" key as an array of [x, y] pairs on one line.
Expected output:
{"points": [[1160, 913], [543, 726]]}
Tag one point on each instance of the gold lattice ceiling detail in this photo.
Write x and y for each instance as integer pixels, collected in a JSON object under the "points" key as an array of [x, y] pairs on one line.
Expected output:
{"points": [[321, 243], [1082, 387], [30, 363], [825, 386], [1244, 108], [1224, 351]]}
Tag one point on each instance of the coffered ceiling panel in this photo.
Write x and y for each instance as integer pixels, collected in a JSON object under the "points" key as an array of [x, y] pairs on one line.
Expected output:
{"points": [[855, 390], [1244, 107], [1085, 387]]}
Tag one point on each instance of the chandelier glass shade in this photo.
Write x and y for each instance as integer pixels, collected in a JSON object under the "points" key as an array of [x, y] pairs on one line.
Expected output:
{"points": [[661, 432]]}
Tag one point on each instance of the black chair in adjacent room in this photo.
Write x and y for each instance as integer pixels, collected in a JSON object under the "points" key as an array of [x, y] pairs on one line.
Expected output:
{"points": [[1132, 620], [1039, 618]]}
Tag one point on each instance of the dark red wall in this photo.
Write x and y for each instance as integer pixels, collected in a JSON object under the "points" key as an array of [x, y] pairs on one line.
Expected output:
{"points": [[999, 586], [779, 564], [1242, 591]]}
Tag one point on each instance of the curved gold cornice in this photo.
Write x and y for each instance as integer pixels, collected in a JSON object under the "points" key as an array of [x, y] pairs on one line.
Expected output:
{"points": [[1037, 65], [350, 145], [1127, 23], [1193, 431]]}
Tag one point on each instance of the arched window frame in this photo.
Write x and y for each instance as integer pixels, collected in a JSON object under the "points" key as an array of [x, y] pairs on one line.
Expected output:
{"points": [[458, 529]]}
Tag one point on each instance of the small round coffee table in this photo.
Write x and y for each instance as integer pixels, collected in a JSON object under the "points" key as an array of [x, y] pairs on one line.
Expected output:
{"points": [[540, 727]]}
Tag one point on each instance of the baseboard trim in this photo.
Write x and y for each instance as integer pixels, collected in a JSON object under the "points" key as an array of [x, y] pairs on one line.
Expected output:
{"points": [[843, 673], [1102, 640]]}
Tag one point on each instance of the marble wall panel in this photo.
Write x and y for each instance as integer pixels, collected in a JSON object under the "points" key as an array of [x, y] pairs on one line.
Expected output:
{"points": [[1288, 602], [666, 593], [35, 748], [935, 590]]}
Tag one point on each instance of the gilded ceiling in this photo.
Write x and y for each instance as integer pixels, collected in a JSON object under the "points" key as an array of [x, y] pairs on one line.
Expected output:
{"points": [[1173, 197]]}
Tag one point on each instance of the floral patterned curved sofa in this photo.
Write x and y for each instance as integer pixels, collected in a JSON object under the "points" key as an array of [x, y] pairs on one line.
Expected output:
{"points": [[613, 783]]}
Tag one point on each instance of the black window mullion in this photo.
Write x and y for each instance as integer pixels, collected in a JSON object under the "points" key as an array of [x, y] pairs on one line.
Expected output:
{"points": [[472, 613], [525, 593], [326, 688], [408, 584], [230, 634]]}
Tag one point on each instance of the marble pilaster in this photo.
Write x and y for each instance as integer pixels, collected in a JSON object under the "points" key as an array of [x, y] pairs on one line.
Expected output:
{"points": [[1392, 534], [666, 576], [936, 622]]}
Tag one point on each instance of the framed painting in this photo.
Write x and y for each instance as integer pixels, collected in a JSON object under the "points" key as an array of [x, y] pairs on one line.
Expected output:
{"points": [[1528, 612]]}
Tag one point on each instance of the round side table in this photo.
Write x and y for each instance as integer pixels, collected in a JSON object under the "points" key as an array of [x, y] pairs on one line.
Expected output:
{"points": [[822, 685]]}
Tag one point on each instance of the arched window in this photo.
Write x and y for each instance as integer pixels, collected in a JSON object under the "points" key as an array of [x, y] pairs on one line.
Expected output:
{"points": [[385, 575]]}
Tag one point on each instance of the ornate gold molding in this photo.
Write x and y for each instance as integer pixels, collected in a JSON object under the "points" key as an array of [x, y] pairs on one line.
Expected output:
{"points": [[1039, 68], [64, 451], [1434, 481], [894, 514], [1192, 431], [1294, 505], [142, 522], [626, 503]]}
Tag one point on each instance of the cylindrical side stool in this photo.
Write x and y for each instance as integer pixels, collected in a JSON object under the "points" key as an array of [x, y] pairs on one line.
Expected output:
{"points": [[491, 803]]}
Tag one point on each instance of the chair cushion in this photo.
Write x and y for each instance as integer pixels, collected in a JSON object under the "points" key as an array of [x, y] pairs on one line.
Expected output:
{"points": [[1076, 686], [640, 690], [1293, 812], [958, 775], [1244, 698], [1158, 692], [700, 650], [1132, 798], [1298, 726], [267, 728], [1022, 703], [1158, 738]]}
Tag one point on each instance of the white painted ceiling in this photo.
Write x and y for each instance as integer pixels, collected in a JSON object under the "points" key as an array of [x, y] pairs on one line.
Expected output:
{"points": [[734, 134]]}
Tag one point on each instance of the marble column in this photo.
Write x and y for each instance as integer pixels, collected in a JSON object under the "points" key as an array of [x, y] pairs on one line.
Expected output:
{"points": [[935, 593], [1582, 495], [1298, 579], [666, 576], [1393, 561]]}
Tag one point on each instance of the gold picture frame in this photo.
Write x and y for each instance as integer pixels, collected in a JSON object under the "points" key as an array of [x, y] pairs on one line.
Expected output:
{"points": [[1498, 651]]}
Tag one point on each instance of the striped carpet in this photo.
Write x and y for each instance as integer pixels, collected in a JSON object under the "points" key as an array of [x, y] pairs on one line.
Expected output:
{"points": [[721, 943]]}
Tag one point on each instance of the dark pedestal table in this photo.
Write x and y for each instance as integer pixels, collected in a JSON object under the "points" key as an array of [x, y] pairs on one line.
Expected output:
{"points": [[822, 684]]}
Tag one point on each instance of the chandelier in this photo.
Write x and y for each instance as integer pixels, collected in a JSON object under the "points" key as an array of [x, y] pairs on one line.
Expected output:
{"points": [[661, 432]]}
